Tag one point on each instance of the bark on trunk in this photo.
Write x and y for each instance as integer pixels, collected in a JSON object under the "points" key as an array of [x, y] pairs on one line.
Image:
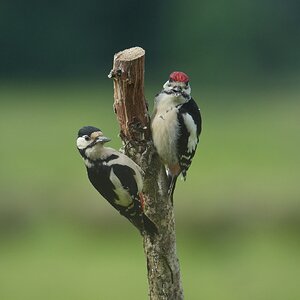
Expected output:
{"points": [[132, 114]]}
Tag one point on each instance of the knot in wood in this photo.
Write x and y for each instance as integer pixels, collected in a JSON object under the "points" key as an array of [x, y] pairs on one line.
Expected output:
{"points": [[115, 73]]}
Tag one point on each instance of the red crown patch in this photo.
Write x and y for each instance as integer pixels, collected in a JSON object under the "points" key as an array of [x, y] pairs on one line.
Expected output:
{"points": [[179, 77]]}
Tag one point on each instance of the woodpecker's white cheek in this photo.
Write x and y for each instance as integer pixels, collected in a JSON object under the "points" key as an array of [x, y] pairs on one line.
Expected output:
{"points": [[192, 129], [81, 143]]}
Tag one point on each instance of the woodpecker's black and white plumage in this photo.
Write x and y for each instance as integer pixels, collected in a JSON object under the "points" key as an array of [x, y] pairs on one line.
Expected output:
{"points": [[115, 176], [176, 126]]}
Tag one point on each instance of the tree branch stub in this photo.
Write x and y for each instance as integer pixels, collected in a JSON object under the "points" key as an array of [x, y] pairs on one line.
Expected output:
{"points": [[129, 104]]}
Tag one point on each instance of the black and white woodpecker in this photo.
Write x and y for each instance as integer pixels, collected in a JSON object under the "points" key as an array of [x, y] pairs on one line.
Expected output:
{"points": [[176, 126], [115, 176]]}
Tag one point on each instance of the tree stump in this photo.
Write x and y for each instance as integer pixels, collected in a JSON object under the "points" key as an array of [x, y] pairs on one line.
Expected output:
{"points": [[132, 114]]}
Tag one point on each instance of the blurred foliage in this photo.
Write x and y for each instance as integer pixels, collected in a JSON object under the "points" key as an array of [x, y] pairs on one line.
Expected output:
{"points": [[211, 40]]}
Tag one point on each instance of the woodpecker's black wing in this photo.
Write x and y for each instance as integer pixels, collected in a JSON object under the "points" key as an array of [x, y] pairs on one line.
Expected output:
{"points": [[126, 177], [134, 212], [99, 177], [190, 125]]}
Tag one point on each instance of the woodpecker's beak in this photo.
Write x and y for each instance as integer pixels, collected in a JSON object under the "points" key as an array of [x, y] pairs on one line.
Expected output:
{"points": [[99, 138], [177, 89], [102, 139]]}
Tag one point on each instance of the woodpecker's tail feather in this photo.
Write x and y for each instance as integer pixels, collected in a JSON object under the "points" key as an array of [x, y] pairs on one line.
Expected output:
{"points": [[149, 226], [172, 185], [143, 223]]}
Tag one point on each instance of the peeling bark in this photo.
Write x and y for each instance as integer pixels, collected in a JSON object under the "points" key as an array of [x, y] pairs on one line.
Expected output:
{"points": [[132, 114]]}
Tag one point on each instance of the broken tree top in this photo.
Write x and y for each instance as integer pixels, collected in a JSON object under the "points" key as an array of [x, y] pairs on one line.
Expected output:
{"points": [[130, 54]]}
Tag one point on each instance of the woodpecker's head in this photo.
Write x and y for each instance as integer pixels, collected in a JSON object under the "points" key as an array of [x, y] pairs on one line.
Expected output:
{"points": [[178, 85], [89, 140]]}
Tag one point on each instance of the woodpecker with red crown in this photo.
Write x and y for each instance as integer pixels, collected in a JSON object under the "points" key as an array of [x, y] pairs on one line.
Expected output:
{"points": [[176, 126]]}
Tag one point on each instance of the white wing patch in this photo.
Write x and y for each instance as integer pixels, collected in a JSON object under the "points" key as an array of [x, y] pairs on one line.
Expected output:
{"points": [[124, 196], [126, 161], [192, 129]]}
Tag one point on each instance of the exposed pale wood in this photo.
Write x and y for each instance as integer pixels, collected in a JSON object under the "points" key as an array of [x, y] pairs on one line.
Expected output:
{"points": [[128, 75], [131, 109]]}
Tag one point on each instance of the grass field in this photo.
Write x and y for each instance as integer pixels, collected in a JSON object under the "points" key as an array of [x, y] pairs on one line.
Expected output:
{"points": [[237, 214], [71, 263]]}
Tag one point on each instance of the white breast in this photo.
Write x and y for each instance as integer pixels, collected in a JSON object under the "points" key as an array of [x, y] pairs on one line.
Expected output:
{"points": [[123, 195], [165, 129]]}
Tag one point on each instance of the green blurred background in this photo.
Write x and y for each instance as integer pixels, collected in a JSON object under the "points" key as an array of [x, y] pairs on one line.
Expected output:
{"points": [[238, 213]]}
